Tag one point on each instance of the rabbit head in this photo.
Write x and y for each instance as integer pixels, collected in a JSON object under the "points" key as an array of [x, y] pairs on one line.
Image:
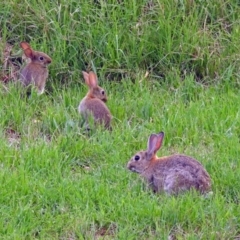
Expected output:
{"points": [[36, 57], [142, 160], [94, 90]]}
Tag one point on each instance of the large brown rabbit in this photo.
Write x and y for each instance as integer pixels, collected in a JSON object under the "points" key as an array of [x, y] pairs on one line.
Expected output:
{"points": [[171, 174], [93, 104], [36, 71]]}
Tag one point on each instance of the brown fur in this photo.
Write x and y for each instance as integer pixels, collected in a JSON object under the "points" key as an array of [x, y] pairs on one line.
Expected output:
{"points": [[94, 102], [35, 72], [171, 174]]}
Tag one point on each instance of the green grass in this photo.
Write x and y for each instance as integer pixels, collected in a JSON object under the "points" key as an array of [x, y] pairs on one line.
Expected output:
{"points": [[59, 183], [56, 182]]}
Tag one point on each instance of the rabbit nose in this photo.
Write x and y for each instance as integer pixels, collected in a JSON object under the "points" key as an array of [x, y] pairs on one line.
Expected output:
{"points": [[49, 61], [129, 166]]}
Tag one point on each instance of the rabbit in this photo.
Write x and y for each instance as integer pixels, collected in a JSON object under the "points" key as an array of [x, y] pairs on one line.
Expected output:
{"points": [[94, 102], [36, 71], [170, 174]]}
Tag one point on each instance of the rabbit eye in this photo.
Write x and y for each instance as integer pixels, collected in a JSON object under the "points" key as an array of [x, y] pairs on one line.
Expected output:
{"points": [[136, 158], [103, 92], [41, 58]]}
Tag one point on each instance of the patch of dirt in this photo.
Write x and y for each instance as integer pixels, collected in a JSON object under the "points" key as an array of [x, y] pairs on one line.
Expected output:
{"points": [[13, 136], [106, 232], [10, 64]]}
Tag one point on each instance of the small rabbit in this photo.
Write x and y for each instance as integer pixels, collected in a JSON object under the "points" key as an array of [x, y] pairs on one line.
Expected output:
{"points": [[35, 72], [94, 102], [171, 174]]}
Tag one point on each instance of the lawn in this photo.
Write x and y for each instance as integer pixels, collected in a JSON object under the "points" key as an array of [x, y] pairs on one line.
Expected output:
{"points": [[169, 66]]}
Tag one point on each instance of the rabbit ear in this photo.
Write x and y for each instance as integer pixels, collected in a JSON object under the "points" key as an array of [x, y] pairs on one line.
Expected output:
{"points": [[27, 49], [90, 79], [93, 82], [29, 52], [86, 77], [25, 45], [154, 143]]}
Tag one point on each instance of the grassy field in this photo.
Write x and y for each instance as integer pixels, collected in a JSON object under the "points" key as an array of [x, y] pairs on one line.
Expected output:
{"points": [[59, 183]]}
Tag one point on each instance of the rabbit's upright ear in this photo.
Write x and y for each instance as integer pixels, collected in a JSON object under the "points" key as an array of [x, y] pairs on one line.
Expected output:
{"points": [[27, 49], [29, 53], [25, 45], [86, 77], [93, 81], [90, 79], [154, 143]]}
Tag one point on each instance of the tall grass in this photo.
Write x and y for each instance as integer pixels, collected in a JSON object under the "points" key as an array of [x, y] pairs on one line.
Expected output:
{"points": [[123, 37], [57, 182]]}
